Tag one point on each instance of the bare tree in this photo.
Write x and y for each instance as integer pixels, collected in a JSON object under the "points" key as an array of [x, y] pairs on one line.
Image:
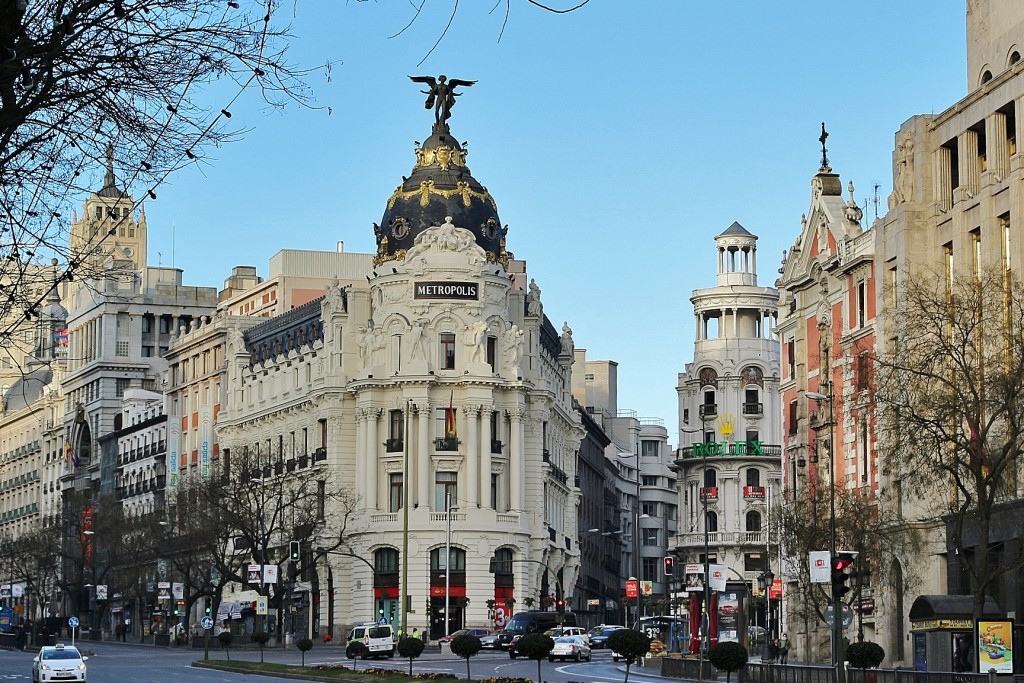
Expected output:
{"points": [[863, 525], [951, 385], [253, 510]]}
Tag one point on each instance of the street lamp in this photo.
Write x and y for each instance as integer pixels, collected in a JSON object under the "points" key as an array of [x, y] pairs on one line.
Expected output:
{"points": [[837, 622], [449, 508]]}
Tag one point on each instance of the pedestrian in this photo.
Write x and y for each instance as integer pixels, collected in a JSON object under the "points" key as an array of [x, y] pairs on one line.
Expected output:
{"points": [[773, 650], [118, 627], [415, 632], [126, 629], [784, 649], [19, 635]]}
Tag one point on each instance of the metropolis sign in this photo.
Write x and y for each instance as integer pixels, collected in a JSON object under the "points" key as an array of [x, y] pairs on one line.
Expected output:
{"points": [[447, 290]]}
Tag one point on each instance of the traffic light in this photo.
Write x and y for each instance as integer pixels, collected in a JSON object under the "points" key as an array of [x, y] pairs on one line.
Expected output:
{"points": [[842, 568], [293, 570], [179, 607], [560, 605], [293, 550], [209, 609], [670, 566]]}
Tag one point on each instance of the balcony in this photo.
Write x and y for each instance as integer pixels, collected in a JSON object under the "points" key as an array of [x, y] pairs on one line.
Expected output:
{"points": [[709, 493], [450, 444], [394, 445], [753, 492], [708, 410], [753, 409], [496, 446], [724, 538], [734, 449], [320, 454]]}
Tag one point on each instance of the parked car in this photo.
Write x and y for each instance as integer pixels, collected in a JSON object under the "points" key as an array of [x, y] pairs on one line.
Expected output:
{"points": [[599, 635], [570, 647], [58, 663], [478, 632], [490, 641]]}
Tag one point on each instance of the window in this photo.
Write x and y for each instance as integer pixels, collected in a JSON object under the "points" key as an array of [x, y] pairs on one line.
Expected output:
{"points": [[753, 477], [494, 491], [650, 537], [492, 349], [793, 418], [447, 344], [502, 561], [650, 449], [649, 480], [496, 443], [165, 324], [651, 568], [446, 488], [385, 561], [791, 358], [753, 521], [754, 562], [395, 492], [458, 563], [862, 303], [711, 523], [711, 478], [650, 509], [752, 402], [753, 435], [395, 426], [121, 386]]}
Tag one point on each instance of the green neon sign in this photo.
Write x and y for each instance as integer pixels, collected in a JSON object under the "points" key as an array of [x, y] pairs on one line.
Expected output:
{"points": [[723, 448]]}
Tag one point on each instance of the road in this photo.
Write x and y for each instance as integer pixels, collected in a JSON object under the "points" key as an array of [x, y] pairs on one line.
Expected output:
{"points": [[131, 663]]}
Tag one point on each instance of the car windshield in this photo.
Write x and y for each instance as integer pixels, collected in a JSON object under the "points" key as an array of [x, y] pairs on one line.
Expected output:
{"points": [[380, 632], [61, 654]]}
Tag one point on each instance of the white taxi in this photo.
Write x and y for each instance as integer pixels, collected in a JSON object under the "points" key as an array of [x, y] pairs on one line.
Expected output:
{"points": [[58, 663]]}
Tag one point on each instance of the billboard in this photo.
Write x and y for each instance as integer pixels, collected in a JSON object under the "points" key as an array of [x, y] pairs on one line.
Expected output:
{"points": [[995, 646]]}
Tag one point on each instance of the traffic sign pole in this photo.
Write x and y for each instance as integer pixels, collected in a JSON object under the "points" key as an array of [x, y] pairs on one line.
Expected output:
{"points": [[73, 623]]}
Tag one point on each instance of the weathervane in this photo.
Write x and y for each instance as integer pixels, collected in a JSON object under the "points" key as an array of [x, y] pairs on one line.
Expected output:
{"points": [[825, 168], [441, 97]]}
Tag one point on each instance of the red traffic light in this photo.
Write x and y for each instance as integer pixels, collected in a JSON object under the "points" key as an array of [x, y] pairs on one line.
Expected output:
{"points": [[670, 566], [842, 563]]}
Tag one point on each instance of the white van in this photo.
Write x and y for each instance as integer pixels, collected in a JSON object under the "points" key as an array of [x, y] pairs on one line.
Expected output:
{"points": [[377, 639]]}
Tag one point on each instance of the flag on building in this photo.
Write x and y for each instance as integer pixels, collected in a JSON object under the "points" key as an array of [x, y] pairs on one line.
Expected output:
{"points": [[61, 336], [449, 419], [71, 455]]}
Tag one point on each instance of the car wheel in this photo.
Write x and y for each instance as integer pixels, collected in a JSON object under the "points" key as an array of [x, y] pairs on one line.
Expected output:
{"points": [[551, 659], [614, 658], [512, 655], [348, 653], [578, 656], [590, 656]]}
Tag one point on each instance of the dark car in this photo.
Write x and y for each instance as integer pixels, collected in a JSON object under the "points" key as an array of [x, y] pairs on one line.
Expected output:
{"points": [[478, 632], [535, 621], [599, 635], [490, 641]]}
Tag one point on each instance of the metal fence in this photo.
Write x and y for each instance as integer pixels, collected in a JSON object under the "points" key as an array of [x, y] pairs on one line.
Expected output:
{"points": [[753, 672]]}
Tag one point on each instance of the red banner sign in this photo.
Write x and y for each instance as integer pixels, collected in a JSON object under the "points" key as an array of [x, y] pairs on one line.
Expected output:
{"points": [[775, 592], [632, 589]]}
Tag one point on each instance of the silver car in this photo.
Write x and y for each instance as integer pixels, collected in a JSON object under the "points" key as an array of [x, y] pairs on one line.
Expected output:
{"points": [[58, 663], [490, 641], [570, 647]]}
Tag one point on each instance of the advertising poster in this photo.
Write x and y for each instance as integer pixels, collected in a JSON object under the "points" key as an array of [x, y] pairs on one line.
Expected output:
{"points": [[728, 617], [995, 646], [694, 578]]}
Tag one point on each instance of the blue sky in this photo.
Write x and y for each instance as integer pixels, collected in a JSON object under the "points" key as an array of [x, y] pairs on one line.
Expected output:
{"points": [[617, 140]]}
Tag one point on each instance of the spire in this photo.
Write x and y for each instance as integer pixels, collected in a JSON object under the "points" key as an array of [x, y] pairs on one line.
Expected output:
{"points": [[109, 180]]}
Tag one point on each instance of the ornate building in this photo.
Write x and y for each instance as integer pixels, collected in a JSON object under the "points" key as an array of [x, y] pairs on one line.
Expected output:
{"points": [[729, 417], [440, 393]]}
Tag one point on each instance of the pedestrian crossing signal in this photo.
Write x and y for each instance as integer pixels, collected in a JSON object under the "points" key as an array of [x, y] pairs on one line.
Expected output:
{"points": [[670, 566]]}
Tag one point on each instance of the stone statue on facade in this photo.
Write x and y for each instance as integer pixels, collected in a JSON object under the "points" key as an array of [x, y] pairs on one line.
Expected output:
{"points": [[441, 96]]}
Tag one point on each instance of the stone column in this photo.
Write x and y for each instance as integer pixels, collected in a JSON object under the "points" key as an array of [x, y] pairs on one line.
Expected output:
{"points": [[361, 458], [516, 456], [371, 457], [426, 415], [472, 456], [997, 146], [485, 455], [970, 166], [943, 178]]}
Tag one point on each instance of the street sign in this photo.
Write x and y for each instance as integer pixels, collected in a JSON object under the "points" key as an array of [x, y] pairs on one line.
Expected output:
{"points": [[73, 622], [632, 588], [261, 605], [382, 621], [207, 622], [820, 570], [254, 573], [847, 616]]}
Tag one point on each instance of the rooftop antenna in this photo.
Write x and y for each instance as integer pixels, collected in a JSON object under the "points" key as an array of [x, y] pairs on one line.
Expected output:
{"points": [[875, 200]]}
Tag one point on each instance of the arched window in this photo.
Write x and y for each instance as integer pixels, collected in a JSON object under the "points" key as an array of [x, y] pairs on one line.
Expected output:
{"points": [[502, 561], [753, 521], [385, 561], [710, 478], [712, 522], [753, 477], [438, 564]]}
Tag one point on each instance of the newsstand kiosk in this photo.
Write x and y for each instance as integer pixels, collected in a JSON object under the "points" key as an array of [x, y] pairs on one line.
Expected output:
{"points": [[943, 629]]}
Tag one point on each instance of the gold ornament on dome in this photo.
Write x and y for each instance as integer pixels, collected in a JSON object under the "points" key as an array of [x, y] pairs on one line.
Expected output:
{"points": [[427, 188], [443, 155], [384, 258]]}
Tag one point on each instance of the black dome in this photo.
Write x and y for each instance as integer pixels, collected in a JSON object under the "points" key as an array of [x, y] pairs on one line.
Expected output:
{"points": [[440, 186]]}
